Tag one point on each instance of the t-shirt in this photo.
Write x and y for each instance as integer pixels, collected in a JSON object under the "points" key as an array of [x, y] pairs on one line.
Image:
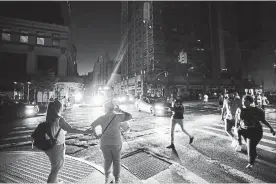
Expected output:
{"points": [[112, 134], [230, 108], [205, 97], [54, 130], [264, 100], [178, 112], [251, 117]]}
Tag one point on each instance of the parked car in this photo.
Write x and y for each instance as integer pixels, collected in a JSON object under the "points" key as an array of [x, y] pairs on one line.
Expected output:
{"points": [[155, 106], [16, 109]]}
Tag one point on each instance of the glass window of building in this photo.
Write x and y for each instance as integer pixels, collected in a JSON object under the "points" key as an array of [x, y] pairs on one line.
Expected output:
{"points": [[40, 40], [24, 38], [56, 42], [6, 34]]}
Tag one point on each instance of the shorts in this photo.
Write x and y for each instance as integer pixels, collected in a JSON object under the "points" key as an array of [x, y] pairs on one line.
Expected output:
{"points": [[229, 123]]}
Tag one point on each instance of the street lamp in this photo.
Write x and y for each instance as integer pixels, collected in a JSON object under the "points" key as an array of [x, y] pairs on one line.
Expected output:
{"points": [[14, 89], [28, 97]]}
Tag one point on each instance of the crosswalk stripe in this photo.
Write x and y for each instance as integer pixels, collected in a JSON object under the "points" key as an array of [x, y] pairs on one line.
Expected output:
{"points": [[266, 148], [17, 137], [220, 130], [243, 175], [227, 169], [264, 133], [16, 128], [20, 132]]}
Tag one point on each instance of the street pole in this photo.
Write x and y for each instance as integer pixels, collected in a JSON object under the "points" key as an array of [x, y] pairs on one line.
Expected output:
{"points": [[23, 91], [14, 89], [28, 97]]}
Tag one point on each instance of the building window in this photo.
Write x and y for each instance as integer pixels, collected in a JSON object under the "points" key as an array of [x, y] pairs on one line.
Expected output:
{"points": [[24, 38], [56, 42], [40, 38], [6, 34]]}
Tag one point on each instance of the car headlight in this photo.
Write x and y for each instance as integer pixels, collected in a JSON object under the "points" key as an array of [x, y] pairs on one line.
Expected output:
{"points": [[159, 107], [98, 100], [29, 111], [29, 107]]}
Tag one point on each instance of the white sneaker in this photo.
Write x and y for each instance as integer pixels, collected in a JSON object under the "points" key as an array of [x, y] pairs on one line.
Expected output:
{"points": [[234, 143], [238, 148], [60, 182], [249, 166], [109, 179]]}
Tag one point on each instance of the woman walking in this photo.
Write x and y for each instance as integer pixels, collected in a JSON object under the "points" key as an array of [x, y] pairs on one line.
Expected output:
{"points": [[59, 127], [251, 128], [110, 141]]}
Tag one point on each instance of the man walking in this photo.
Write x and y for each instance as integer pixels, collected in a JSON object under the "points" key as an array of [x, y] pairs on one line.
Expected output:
{"points": [[177, 118], [230, 107]]}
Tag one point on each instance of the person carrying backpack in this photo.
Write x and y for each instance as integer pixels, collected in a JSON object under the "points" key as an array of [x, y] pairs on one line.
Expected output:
{"points": [[251, 128], [49, 136]]}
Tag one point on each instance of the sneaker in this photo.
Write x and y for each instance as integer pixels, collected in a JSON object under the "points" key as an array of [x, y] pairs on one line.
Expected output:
{"points": [[249, 166], [234, 143], [109, 179], [191, 140], [118, 181], [170, 146], [238, 148]]}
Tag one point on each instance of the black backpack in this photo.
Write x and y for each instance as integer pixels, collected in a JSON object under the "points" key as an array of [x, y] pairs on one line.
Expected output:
{"points": [[39, 137]]}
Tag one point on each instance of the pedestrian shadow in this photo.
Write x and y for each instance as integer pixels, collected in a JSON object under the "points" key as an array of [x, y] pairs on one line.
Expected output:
{"points": [[175, 156]]}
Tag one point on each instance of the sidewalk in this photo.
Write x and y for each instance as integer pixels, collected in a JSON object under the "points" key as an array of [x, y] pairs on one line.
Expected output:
{"points": [[33, 167]]}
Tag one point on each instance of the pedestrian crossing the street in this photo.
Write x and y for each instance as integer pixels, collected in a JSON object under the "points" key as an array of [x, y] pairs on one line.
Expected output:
{"points": [[267, 143]]}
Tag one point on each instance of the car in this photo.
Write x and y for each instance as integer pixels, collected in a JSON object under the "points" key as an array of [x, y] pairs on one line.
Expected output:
{"points": [[16, 109], [155, 106], [97, 100], [124, 99]]}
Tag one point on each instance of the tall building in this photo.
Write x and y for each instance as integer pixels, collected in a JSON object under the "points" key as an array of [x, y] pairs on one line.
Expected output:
{"points": [[102, 71], [152, 47]]}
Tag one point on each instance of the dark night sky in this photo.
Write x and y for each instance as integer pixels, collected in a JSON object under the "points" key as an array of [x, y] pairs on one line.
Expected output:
{"points": [[95, 29]]}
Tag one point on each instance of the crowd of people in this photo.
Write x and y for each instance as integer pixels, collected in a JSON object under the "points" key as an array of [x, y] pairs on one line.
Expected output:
{"points": [[246, 115], [242, 114]]}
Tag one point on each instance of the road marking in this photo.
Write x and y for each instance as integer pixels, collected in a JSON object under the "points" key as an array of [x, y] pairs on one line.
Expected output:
{"points": [[227, 169], [17, 137], [20, 132], [190, 176], [241, 174], [264, 133], [266, 148], [16, 128], [220, 130]]}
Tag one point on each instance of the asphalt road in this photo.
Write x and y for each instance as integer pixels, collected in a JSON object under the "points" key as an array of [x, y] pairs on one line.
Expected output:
{"points": [[210, 157]]}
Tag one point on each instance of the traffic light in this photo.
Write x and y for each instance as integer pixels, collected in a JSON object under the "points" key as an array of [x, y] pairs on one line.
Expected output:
{"points": [[139, 84]]}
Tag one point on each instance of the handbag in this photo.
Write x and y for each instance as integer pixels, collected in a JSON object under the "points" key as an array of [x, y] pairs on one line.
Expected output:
{"points": [[100, 135]]}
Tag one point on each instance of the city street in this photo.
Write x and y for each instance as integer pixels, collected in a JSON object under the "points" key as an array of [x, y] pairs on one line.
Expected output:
{"points": [[210, 157]]}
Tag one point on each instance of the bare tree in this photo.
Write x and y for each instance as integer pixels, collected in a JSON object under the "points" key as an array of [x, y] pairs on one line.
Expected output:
{"points": [[44, 82]]}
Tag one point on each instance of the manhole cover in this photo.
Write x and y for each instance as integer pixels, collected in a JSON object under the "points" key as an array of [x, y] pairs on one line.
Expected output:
{"points": [[35, 169], [144, 165]]}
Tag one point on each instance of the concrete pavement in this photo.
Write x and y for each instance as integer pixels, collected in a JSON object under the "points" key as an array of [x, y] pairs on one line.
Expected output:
{"points": [[33, 167]]}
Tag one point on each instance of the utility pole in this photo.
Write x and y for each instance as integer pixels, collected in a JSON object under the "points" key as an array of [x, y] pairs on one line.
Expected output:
{"points": [[146, 19]]}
